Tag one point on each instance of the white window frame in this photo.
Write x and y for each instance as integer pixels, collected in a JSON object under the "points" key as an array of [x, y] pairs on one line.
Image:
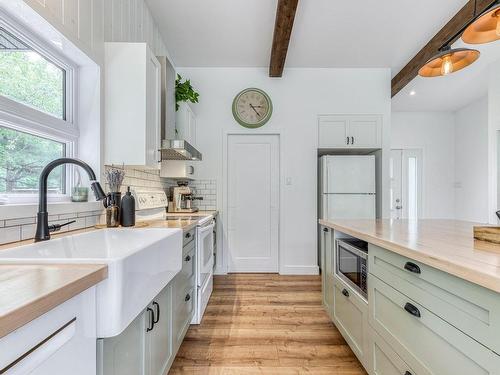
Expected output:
{"points": [[22, 117]]}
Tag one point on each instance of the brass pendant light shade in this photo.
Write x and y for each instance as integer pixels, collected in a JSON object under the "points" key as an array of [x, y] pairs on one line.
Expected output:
{"points": [[485, 29], [448, 61]]}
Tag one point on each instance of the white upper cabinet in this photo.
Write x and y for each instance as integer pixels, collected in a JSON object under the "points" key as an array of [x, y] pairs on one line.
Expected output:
{"points": [[350, 131], [132, 105], [186, 123]]}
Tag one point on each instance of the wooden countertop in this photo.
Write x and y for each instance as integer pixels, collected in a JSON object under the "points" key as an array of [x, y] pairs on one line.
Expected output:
{"points": [[29, 291], [447, 245]]}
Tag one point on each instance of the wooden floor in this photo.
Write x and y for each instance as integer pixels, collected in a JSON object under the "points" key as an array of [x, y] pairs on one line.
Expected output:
{"points": [[265, 324]]}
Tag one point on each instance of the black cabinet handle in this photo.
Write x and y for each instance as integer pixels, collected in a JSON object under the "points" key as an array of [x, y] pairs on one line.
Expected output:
{"points": [[157, 319], [151, 319], [347, 140], [408, 373], [325, 229], [187, 258], [187, 298], [188, 235], [412, 310], [345, 292], [352, 138], [412, 267]]}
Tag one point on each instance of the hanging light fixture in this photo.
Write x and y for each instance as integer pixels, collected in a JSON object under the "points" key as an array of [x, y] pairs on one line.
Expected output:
{"points": [[448, 61], [485, 28]]}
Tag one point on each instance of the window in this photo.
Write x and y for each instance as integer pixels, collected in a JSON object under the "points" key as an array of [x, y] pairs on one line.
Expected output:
{"points": [[22, 157], [36, 121], [29, 78]]}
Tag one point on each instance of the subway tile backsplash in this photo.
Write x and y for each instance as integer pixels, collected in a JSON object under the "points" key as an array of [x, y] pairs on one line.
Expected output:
{"points": [[23, 228]]}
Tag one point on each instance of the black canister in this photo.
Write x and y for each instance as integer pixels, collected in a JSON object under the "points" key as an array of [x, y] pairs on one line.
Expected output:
{"points": [[127, 210]]}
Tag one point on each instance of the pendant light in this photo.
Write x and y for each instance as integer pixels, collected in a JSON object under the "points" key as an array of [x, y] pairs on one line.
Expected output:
{"points": [[448, 61], [485, 28]]}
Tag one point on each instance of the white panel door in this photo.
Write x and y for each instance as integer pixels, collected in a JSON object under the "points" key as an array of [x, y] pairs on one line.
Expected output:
{"points": [[365, 131], [350, 206], [350, 174], [253, 203]]}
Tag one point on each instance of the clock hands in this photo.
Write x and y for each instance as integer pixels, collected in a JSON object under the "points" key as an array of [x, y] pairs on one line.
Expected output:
{"points": [[253, 107]]}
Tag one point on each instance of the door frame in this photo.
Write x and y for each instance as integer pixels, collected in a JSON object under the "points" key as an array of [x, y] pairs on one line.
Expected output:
{"points": [[225, 146]]}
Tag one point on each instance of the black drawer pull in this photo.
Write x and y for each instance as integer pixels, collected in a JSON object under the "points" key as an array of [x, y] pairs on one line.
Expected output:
{"points": [[408, 373], [325, 229], [157, 318], [151, 319], [188, 235], [412, 267], [345, 292], [188, 258], [187, 298], [412, 310]]}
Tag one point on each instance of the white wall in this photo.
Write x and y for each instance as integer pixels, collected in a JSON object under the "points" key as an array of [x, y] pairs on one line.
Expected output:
{"points": [[434, 133], [297, 98], [471, 162], [87, 24]]}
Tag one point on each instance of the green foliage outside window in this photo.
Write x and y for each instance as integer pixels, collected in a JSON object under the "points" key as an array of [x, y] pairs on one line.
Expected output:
{"points": [[22, 157], [28, 78]]}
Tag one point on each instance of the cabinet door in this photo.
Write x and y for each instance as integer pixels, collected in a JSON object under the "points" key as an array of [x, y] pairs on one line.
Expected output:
{"points": [[328, 271], [159, 339], [364, 131], [332, 131], [124, 354], [153, 110]]}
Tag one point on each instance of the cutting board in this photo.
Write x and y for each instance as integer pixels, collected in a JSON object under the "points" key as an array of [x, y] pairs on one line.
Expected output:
{"points": [[487, 233]]}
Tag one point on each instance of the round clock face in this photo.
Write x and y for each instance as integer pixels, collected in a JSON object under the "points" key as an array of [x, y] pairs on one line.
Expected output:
{"points": [[252, 108]]}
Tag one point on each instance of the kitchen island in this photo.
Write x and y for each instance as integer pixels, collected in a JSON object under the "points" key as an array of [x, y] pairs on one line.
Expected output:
{"points": [[432, 302]]}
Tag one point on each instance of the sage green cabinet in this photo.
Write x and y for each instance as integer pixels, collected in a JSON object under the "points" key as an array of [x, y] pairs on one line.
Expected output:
{"points": [[426, 342], [385, 360], [350, 315], [159, 339], [327, 269]]}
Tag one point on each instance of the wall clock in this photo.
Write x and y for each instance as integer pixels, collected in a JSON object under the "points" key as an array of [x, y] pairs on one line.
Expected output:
{"points": [[252, 108]]}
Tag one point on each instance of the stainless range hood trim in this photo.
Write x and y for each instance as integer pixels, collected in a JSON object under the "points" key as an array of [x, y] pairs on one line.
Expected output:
{"points": [[178, 149]]}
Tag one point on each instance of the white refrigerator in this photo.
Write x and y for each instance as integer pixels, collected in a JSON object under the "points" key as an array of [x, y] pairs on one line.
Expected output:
{"points": [[347, 187]]}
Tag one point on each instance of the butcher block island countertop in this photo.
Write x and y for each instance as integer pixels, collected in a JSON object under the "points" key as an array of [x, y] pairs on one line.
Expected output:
{"points": [[28, 291], [447, 245]]}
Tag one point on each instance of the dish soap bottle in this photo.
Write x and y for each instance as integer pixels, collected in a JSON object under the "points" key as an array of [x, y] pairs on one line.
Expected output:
{"points": [[127, 210], [112, 213]]}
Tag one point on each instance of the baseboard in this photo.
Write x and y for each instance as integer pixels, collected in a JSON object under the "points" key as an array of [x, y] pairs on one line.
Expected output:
{"points": [[299, 270], [220, 271]]}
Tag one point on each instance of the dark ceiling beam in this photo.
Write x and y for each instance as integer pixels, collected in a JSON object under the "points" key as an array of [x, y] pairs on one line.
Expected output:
{"points": [[285, 15], [450, 32]]}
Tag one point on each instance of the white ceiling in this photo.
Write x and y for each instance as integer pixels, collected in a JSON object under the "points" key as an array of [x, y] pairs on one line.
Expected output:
{"points": [[326, 33]]}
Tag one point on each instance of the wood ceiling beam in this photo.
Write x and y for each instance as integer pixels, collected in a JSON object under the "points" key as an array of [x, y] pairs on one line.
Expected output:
{"points": [[285, 15], [449, 32]]}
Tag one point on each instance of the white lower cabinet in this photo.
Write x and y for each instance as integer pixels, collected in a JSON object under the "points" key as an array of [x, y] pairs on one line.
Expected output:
{"points": [[61, 341]]}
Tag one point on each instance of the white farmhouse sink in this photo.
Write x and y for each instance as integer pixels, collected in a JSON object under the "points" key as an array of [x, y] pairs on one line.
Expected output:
{"points": [[141, 262]]}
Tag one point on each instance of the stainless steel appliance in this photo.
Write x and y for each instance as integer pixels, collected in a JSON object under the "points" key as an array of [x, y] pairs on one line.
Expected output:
{"points": [[182, 197], [352, 264]]}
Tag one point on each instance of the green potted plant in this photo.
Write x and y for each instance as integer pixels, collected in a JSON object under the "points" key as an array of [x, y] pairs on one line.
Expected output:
{"points": [[184, 92]]}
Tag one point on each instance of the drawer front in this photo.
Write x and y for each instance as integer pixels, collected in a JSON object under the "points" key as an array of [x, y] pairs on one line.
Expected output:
{"points": [[472, 309], [385, 359], [188, 261], [350, 315], [183, 313], [188, 236], [423, 340]]}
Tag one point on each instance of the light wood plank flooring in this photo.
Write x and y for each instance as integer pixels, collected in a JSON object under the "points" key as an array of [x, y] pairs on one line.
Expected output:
{"points": [[265, 324]]}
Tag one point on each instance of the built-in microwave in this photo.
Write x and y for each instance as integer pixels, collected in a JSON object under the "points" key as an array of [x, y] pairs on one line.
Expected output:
{"points": [[352, 264]]}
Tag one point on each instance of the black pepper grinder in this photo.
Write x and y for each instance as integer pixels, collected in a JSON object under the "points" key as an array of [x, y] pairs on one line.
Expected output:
{"points": [[127, 210]]}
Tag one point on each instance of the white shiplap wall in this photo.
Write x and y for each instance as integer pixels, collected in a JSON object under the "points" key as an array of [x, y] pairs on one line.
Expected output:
{"points": [[90, 23]]}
